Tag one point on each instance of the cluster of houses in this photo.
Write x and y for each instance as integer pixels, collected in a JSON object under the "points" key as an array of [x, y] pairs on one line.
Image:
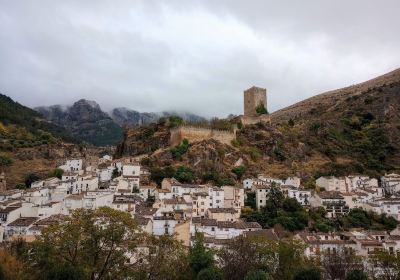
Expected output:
{"points": [[336, 194], [183, 210]]}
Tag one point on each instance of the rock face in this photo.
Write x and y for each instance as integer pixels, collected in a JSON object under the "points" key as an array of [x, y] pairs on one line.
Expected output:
{"points": [[131, 118], [143, 140], [86, 122]]}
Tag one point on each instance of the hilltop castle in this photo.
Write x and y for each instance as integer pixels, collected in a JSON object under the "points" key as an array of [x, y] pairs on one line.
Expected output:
{"points": [[255, 104]]}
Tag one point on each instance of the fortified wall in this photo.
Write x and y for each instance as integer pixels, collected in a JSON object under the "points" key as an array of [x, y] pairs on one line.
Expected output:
{"points": [[195, 134]]}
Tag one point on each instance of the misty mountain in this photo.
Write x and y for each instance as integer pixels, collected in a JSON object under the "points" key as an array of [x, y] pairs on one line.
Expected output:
{"points": [[124, 116], [85, 121]]}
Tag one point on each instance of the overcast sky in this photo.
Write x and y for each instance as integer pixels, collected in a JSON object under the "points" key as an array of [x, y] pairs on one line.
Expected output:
{"points": [[194, 56]]}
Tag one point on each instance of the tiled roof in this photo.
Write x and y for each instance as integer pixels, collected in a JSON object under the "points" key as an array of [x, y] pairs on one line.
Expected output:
{"points": [[23, 222], [223, 210], [268, 234]]}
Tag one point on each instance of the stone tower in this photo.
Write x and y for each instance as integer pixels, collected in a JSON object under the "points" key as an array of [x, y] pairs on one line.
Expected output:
{"points": [[253, 97]]}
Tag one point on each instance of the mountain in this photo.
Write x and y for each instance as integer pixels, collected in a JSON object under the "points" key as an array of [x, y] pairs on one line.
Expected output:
{"points": [[85, 121], [350, 130], [127, 117], [24, 127]]}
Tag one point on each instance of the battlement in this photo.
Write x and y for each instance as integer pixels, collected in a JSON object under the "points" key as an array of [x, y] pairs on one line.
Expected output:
{"points": [[195, 134]]}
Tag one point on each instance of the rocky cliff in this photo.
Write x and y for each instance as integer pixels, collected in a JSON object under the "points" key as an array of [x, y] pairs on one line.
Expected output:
{"points": [[85, 121]]}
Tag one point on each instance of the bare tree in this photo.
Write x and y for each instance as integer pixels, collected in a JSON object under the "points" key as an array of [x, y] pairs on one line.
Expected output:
{"points": [[338, 262]]}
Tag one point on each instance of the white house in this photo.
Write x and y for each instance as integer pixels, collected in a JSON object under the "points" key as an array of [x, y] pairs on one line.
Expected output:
{"points": [[72, 165], [233, 197], [217, 197], [262, 195], [302, 196], [333, 202], [391, 183], [332, 183]]}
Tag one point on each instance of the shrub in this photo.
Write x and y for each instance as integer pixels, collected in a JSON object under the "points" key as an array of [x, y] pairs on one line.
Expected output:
{"points": [[239, 171], [254, 153], [179, 150], [20, 186], [184, 174], [5, 161], [308, 273], [261, 110], [58, 172], [175, 121]]}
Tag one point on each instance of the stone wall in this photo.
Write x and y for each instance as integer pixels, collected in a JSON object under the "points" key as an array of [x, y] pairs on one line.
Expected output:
{"points": [[247, 120], [195, 134]]}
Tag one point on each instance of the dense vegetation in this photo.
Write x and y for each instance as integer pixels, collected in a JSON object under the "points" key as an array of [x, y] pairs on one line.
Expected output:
{"points": [[182, 174], [179, 150], [21, 126], [359, 135], [288, 213]]}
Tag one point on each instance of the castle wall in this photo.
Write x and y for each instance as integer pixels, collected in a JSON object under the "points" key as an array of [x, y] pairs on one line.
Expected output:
{"points": [[247, 120], [195, 134]]}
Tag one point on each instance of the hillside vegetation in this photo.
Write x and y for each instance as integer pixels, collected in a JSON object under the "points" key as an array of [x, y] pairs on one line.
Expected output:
{"points": [[22, 127], [352, 130]]}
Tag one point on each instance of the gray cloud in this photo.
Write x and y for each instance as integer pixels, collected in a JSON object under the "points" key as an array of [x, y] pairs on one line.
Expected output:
{"points": [[191, 55]]}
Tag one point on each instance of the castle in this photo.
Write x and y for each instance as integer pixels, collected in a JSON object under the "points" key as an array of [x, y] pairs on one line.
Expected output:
{"points": [[254, 98]]}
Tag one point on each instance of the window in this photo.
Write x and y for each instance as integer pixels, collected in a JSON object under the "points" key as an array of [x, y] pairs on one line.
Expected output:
{"points": [[212, 228]]}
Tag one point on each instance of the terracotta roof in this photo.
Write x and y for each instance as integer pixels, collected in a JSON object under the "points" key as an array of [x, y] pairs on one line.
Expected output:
{"points": [[145, 211], [122, 199], [330, 195], [53, 219], [142, 221], [9, 209], [268, 234], [23, 222], [204, 222], [176, 200], [223, 210]]}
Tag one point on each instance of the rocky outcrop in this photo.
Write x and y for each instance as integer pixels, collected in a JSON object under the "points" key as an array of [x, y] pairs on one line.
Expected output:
{"points": [[85, 121]]}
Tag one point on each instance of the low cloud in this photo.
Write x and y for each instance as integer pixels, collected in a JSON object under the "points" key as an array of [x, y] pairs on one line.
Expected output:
{"points": [[191, 56]]}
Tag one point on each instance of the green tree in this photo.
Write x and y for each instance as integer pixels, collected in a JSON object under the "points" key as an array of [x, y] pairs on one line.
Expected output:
{"points": [[257, 275], [308, 273], [167, 260], [245, 254], [175, 121], [30, 179], [251, 200], [93, 241], [58, 172], [239, 171], [179, 150], [64, 272], [184, 174], [356, 274], [115, 173], [209, 274], [200, 257]]}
